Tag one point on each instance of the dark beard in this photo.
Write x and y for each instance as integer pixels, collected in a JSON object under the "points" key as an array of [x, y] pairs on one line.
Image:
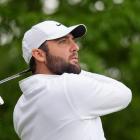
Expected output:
{"points": [[58, 65]]}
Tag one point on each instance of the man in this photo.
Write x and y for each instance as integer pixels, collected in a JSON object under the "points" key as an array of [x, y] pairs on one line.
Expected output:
{"points": [[59, 101]]}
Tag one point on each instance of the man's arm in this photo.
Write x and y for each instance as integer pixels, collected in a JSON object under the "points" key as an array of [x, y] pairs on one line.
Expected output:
{"points": [[97, 95]]}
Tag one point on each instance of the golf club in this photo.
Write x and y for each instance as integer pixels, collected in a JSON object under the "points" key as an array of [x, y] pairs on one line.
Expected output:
{"points": [[14, 76], [11, 78]]}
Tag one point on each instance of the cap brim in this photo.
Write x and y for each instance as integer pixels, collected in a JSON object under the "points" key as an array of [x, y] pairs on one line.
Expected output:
{"points": [[78, 30]]}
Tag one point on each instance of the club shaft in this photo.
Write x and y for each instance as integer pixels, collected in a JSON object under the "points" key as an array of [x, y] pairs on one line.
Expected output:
{"points": [[14, 76]]}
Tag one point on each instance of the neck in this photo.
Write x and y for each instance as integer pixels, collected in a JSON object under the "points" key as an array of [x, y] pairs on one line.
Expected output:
{"points": [[42, 69]]}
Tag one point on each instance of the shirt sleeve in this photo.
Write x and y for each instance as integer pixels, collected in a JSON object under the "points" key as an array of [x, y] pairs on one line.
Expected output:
{"points": [[96, 95]]}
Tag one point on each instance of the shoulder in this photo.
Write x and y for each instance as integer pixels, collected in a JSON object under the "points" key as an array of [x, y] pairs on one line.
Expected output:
{"points": [[76, 80], [71, 76]]}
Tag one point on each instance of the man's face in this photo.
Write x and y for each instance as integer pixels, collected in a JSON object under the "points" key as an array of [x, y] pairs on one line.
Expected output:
{"points": [[62, 55]]}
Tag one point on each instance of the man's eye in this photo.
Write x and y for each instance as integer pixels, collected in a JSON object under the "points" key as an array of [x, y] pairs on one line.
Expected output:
{"points": [[62, 41]]}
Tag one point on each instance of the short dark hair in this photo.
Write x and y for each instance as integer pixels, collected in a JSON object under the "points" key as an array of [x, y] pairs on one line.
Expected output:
{"points": [[32, 63]]}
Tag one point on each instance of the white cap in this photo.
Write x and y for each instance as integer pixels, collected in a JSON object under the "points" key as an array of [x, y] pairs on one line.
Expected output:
{"points": [[47, 30]]}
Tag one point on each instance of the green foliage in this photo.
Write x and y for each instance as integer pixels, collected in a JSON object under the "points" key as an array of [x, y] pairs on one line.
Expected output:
{"points": [[111, 47]]}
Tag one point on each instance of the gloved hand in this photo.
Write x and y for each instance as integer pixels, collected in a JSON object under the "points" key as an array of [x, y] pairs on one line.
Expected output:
{"points": [[1, 101]]}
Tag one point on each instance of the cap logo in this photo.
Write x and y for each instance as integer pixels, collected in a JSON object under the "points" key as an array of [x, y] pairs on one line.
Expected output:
{"points": [[59, 24]]}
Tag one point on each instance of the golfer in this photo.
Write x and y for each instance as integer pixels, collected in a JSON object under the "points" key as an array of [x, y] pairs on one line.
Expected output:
{"points": [[60, 101]]}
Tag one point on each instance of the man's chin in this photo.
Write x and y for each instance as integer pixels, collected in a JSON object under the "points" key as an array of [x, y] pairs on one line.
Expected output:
{"points": [[74, 68]]}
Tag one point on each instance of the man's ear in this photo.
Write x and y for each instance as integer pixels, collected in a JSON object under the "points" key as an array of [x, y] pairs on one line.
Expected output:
{"points": [[39, 55]]}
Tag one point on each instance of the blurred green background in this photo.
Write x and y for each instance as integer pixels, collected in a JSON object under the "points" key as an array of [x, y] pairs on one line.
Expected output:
{"points": [[111, 47]]}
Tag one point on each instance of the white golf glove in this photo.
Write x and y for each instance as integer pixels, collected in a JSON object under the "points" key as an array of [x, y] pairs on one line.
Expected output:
{"points": [[1, 101]]}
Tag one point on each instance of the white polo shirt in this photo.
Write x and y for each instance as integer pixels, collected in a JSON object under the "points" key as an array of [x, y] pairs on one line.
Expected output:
{"points": [[68, 106]]}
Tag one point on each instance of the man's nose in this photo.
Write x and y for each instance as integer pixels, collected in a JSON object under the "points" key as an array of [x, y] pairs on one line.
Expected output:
{"points": [[74, 46]]}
